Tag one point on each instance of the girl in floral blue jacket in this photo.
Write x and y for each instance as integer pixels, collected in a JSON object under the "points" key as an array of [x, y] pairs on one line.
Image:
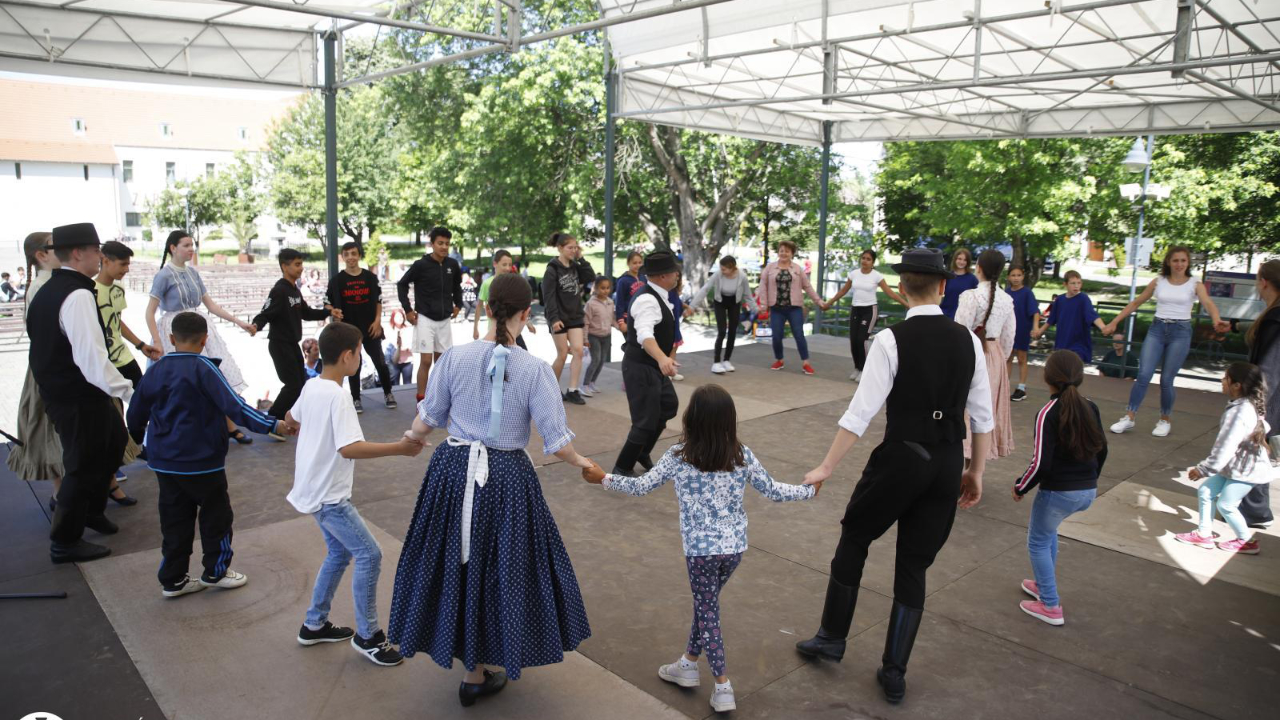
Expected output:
{"points": [[711, 471]]}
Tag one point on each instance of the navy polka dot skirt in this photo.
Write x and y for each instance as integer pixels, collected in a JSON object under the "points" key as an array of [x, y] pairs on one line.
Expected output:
{"points": [[516, 603]]}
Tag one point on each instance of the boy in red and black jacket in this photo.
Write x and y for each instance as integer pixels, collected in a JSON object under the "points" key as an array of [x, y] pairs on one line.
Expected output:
{"points": [[355, 294]]}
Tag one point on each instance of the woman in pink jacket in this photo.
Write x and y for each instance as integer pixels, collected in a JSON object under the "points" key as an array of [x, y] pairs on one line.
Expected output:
{"points": [[783, 285]]}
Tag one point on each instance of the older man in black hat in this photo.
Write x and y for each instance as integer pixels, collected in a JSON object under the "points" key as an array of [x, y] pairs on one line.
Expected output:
{"points": [[647, 365], [77, 381], [916, 476]]}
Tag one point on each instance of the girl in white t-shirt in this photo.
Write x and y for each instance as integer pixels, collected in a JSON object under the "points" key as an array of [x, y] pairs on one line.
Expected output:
{"points": [[864, 280], [1168, 339]]}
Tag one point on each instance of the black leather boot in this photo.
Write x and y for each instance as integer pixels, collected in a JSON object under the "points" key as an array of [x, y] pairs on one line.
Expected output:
{"points": [[904, 622], [837, 616], [493, 682]]}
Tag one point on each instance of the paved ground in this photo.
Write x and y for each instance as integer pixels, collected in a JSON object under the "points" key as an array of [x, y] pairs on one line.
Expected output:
{"points": [[1154, 629]]}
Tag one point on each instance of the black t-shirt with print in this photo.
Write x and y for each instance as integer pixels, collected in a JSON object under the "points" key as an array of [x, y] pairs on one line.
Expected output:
{"points": [[357, 296]]}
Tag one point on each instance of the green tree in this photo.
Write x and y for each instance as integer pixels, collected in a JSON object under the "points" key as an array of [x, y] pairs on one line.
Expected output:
{"points": [[193, 205]]}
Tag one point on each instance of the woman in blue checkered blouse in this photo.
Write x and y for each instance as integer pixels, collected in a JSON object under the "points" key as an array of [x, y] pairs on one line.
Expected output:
{"points": [[484, 576]]}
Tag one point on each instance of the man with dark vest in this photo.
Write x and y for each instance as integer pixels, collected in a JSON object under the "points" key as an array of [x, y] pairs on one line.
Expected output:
{"points": [[647, 365], [77, 382], [927, 371]]}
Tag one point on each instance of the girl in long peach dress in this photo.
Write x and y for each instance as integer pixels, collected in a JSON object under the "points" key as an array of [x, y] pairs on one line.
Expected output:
{"points": [[988, 312]]}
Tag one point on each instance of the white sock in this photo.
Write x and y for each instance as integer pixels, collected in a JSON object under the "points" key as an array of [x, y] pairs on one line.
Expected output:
{"points": [[1022, 387], [573, 389], [724, 686], [685, 664]]}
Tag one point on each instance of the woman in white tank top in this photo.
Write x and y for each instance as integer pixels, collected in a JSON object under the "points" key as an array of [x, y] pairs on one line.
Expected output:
{"points": [[1169, 339]]}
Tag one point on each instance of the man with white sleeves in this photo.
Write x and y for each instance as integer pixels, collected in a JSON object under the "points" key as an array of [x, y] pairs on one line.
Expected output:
{"points": [[927, 371], [77, 381]]}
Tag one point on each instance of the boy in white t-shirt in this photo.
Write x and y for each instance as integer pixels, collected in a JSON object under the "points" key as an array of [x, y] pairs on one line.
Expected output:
{"points": [[329, 442]]}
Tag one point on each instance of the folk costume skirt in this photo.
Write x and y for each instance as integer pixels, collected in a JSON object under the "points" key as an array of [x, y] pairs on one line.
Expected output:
{"points": [[40, 455], [998, 373], [214, 347], [515, 603]]}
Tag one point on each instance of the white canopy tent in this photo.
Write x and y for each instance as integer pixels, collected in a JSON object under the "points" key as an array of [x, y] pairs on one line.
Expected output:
{"points": [[799, 71]]}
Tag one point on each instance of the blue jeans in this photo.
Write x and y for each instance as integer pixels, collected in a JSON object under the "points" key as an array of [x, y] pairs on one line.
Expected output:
{"points": [[1048, 511], [779, 315], [1167, 344], [1228, 493], [347, 537]]}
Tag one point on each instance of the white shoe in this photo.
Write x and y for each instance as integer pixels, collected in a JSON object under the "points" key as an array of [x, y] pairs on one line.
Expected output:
{"points": [[728, 366], [722, 699], [186, 588], [718, 368], [1162, 428], [1123, 424], [856, 375], [229, 581], [677, 377], [683, 676], [587, 391]]}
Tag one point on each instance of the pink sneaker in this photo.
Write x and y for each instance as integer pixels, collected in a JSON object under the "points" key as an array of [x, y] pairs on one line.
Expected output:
{"points": [[1036, 609], [1029, 587], [1195, 538], [1243, 547]]}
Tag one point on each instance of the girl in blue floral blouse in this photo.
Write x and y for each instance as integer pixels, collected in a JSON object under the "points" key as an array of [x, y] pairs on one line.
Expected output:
{"points": [[711, 470]]}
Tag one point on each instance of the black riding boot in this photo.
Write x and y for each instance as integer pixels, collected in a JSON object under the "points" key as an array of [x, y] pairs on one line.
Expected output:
{"points": [[904, 622], [837, 616]]}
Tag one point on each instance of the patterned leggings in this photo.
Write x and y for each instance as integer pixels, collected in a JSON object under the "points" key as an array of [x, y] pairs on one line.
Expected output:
{"points": [[707, 576]]}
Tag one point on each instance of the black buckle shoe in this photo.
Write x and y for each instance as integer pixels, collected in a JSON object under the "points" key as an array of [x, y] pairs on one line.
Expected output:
{"points": [[81, 551], [493, 683], [904, 623], [837, 617]]}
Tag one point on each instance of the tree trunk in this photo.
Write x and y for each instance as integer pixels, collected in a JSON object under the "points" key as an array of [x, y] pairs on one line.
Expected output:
{"points": [[417, 237]]}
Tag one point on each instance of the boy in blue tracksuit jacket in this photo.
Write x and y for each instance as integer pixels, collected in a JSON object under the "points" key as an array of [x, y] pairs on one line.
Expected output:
{"points": [[180, 407]]}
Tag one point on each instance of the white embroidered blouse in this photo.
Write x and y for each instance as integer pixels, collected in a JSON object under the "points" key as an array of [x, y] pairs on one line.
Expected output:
{"points": [[1000, 326]]}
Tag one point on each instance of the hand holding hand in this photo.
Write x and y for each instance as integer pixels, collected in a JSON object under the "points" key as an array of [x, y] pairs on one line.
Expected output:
{"points": [[336, 313], [817, 487], [409, 447], [817, 476], [291, 428], [1222, 326], [1037, 332], [1194, 474], [593, 474], [970, 489], [152, 352], [251, 329], [668, 366], [1016, 496]]}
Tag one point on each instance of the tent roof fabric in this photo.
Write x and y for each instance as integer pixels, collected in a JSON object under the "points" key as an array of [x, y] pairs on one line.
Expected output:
{"points": [[951, 69]]}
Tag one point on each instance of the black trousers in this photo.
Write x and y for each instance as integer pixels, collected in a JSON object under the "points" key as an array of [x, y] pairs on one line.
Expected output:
{"points": [[728, 315], [372, 346], [900, 485], [1256, 506], [652, 400], [186, 500], [861, 319], [93, 439], [131, 372], [287, 357]]}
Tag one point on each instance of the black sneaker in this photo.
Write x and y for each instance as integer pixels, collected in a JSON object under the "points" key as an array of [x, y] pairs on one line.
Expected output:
{"points": [[359, 406], [391, 402], [327, 634], [81, 551], [377, 649], [1019, 395], [574, 397]]}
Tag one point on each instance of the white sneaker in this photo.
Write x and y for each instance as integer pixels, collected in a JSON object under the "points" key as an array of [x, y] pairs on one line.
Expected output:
{"points": [[1123, 424], [1162, 428], [229, 581], [587, 391], [683, 676], [718, 368], [677, 377], [856, 375], [728, 366], [722, 699], [187, 587]]}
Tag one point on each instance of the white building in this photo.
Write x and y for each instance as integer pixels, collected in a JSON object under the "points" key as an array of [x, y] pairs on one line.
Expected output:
{"points": [[92, 151]]}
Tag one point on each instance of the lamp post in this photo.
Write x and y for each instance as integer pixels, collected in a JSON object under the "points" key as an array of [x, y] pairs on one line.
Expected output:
{"points": [[185, 192], [1137, 161]]}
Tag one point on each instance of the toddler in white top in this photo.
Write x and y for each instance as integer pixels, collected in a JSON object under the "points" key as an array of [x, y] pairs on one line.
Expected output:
{"points": [[711, 471]]}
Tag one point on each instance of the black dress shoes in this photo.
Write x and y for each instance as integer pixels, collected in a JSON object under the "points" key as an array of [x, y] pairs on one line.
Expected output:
{"points": [[81, 551], [493, 682], [102, 525]]}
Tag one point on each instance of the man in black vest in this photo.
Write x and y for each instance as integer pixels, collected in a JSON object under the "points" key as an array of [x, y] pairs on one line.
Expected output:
{"points": [[916, 476], [77, 381], [647, 365]]}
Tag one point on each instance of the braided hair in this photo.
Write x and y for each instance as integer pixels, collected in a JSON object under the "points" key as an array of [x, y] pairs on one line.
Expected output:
{"points": [[1078, 429], [509, 295], [1253, 388], [990, 262], [172, 241], [34, 243]]}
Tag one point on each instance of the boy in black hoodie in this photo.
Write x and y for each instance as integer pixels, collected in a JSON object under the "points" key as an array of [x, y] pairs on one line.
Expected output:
{"points": [[284, 311]]}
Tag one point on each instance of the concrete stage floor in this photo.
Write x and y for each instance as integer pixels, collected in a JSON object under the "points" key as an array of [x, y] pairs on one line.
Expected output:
{"points": [[1154, 629]]}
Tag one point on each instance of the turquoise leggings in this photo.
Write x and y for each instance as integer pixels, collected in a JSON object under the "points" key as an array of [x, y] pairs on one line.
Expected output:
{"points": [[1228, 493]]}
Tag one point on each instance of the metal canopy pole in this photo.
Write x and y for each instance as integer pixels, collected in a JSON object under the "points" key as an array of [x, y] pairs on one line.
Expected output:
{"points": [[610, 149], [1137, 243], [331, 151], [822, 216]]}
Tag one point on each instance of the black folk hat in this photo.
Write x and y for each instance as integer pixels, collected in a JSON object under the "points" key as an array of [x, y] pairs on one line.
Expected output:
{"points": [[928, 261], [660, 262], [77, 235]]}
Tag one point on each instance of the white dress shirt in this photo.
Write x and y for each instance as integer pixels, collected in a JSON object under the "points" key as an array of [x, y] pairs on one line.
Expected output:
{"points": [[645, 313], [882, 367], [79, 321]]}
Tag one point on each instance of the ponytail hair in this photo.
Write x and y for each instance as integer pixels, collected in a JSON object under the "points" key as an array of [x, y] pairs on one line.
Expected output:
{"points": [[1253, 388], [1079, 431], [172, 241], [1269, 271], [991, 263], [34, 243], [509, 295], [559, 240]]}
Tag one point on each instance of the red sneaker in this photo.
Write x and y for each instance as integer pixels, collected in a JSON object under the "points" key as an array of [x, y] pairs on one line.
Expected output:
{"points": [[1242, 547], [777, 365], [421, 397], [808, 369], [1195, 538], [1029, 587], [1037, 610]]}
